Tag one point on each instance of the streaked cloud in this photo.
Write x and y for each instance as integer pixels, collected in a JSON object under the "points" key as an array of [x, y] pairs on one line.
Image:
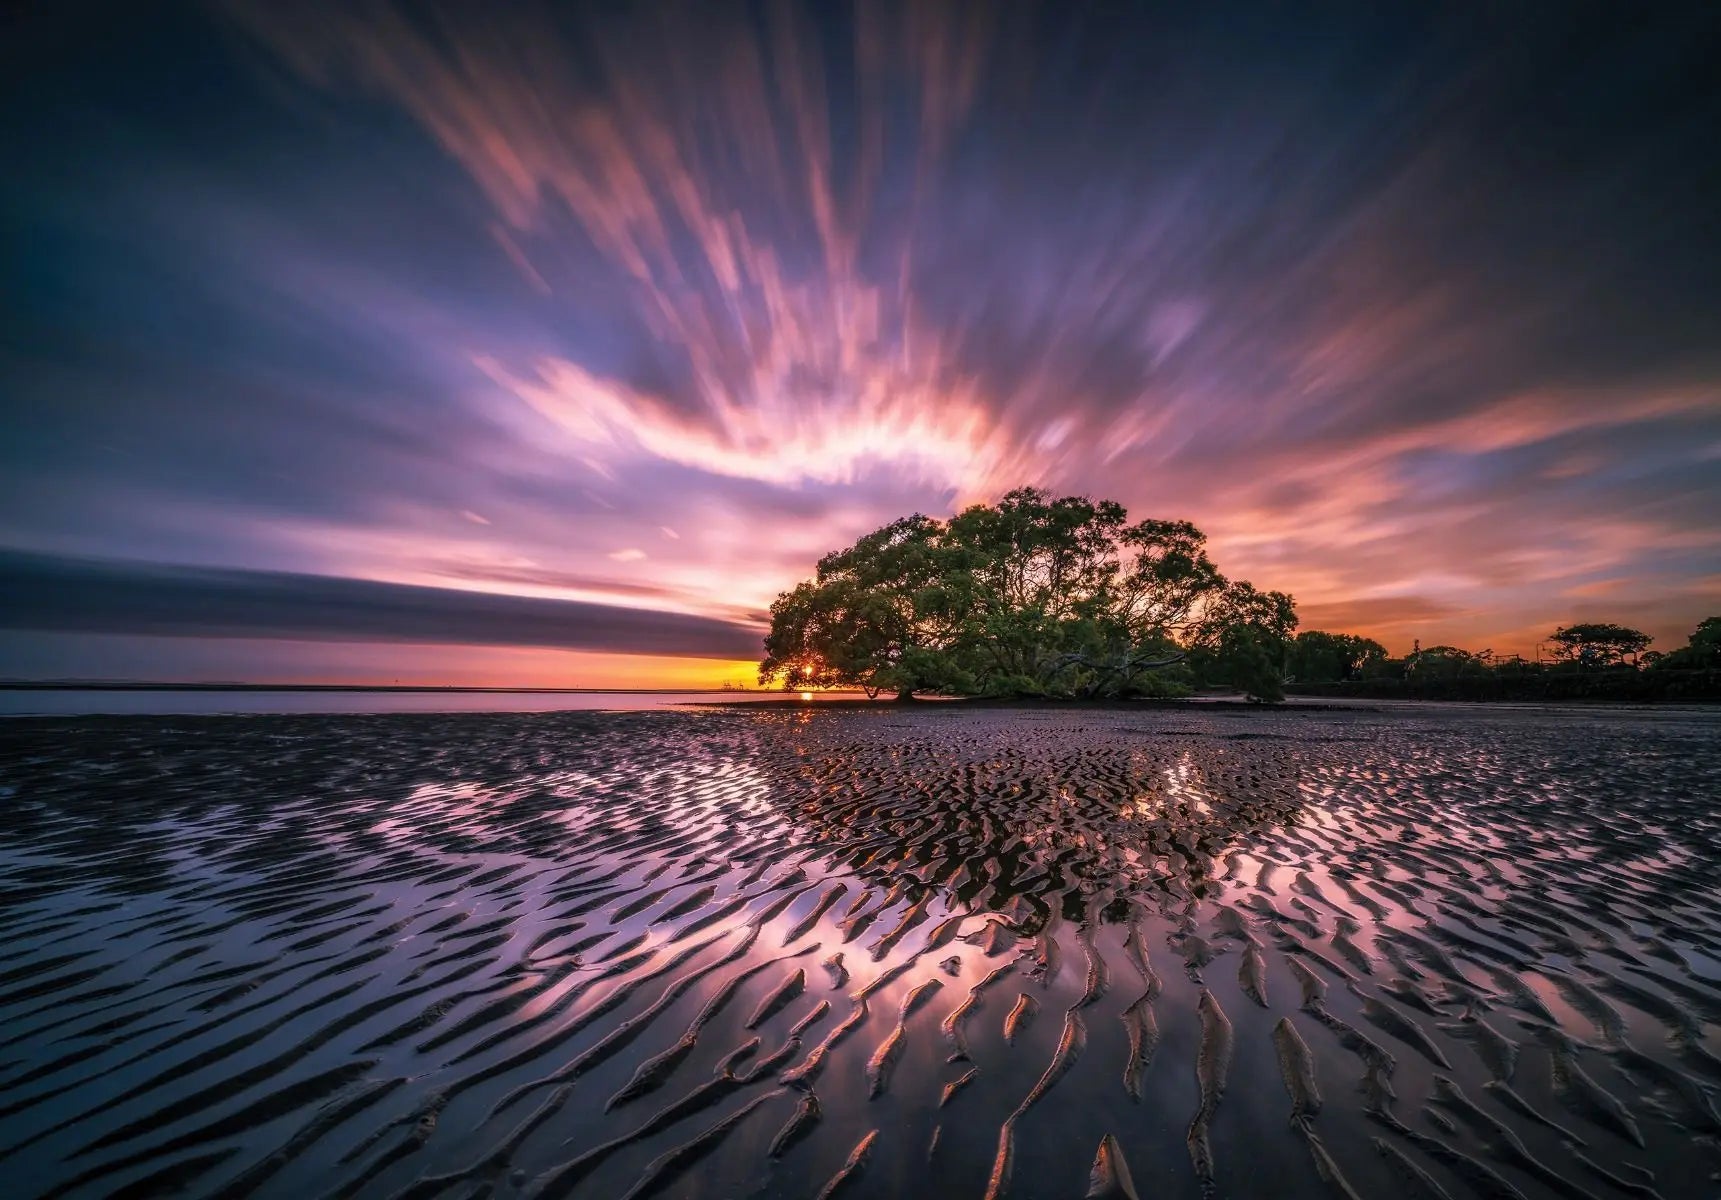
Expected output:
{"points": [[652, 308], [115, 597]]}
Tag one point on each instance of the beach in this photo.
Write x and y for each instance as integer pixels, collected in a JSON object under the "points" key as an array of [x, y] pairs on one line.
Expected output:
{"points": [[922, 950]]}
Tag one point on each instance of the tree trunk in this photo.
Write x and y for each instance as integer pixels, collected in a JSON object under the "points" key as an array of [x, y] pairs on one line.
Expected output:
{"points": [[905, 696]]}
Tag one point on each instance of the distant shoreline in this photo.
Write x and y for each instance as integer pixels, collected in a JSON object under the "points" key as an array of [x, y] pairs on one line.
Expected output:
{"points": [[58, 686], [1311, 699]]}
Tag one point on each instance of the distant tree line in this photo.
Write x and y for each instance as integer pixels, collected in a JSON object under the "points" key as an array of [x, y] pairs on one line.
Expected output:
{"points": [[1033, 596], [1585, 661]]}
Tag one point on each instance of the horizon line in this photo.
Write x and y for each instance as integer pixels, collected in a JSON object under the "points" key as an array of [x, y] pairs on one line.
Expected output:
{"points": [[138, 685]]}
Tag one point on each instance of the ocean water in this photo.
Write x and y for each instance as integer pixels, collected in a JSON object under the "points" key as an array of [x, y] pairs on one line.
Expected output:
{"points": [[110, 701]]}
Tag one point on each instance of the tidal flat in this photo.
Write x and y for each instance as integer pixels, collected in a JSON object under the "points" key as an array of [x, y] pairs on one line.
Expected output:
{"points": [[899, 951]]}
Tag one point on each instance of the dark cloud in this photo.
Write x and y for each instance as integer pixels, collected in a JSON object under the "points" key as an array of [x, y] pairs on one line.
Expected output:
{"points": [[52, 594], [1400, 302]]}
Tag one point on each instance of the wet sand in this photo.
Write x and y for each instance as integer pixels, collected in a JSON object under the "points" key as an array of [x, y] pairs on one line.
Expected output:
{"points": [[933, 952]]}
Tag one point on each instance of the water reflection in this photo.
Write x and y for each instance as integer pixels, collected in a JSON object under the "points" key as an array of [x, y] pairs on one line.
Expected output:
{"points": [[738, 953], [1028, 821]]}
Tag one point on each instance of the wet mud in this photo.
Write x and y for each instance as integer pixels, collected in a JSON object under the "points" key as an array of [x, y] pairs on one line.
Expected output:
{"points": [[922, 952]]}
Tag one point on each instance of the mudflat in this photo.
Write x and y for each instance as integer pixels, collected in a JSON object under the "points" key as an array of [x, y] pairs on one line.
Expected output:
{"points": [[926, 951]]}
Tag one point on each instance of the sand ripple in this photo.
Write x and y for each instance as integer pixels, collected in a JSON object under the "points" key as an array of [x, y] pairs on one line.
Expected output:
{"points": [[926, 952]]}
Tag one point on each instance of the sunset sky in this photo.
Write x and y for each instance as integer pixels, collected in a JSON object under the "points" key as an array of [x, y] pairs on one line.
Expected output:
{"points": [[520, 345]]}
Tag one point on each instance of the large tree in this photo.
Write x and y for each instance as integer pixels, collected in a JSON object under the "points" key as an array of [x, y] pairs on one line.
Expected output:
{"points": [[1598, 644], [1035, 595], [880, 615], [1243, 638]]}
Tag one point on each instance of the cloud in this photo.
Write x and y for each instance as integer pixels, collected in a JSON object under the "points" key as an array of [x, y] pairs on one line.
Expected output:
{"points": [[1379, 612], [59, 594], [504, 578], [779, 437], [770, 279], [786, 358]]}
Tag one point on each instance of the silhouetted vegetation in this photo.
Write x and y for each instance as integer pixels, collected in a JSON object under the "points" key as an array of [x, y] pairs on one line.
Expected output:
{"points": [[1034, 596], [1598, 645], [1702, 652], [1597, 661]]}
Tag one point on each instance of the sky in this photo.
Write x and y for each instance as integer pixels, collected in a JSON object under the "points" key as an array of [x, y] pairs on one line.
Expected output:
{"points": [[518, 344]]}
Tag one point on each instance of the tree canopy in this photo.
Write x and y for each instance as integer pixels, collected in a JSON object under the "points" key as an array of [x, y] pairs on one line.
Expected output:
{"points": [[1321, 657], [1033, 596], [1598, 644]]}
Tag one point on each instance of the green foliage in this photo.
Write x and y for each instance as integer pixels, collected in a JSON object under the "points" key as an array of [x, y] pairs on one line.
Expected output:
{"points": [[1251, 659], [878, 615], [1034, 596], [1320, 657]]}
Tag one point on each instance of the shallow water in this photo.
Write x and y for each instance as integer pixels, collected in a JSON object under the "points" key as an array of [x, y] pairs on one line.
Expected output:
{"points": [[60, 702], [597, 954]]}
